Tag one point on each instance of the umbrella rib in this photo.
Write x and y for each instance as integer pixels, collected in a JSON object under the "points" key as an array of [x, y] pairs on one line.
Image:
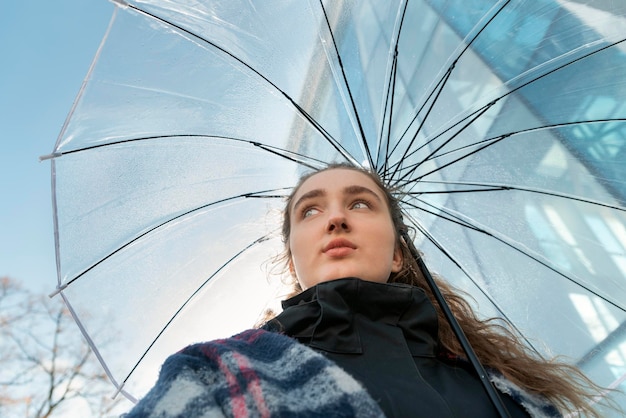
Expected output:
{"points": [[332, 141], [436, 92], [96, 351], [347, 85], [388, 117], [494, 187], [303, 112], [88, 76], [474, 117], [441, 84], [259, 194], [290, 155], [450, 218], [310, 162], [538, 78], [493, 102], [535, 129], [413, 167], [391, 93], [179, 310], [519, 249], [492, 141], [449, 256]]}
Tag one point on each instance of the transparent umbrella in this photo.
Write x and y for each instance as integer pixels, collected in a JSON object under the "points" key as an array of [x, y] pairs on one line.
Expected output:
{"points": [[503, 122]]}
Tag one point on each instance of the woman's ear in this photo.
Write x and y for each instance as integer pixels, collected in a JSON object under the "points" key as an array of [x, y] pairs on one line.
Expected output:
{"points": [[398, 260], [292, 269]]}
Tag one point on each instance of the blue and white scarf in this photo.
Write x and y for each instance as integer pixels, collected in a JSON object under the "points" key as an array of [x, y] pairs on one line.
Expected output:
{"points": [[254, 374], [265, 374]]}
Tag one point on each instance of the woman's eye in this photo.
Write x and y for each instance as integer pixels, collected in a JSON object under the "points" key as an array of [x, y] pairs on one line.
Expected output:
{"points": [[360, 205], [308, 212]]}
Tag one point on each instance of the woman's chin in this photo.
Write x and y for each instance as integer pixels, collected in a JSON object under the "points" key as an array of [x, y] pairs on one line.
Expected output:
{"points": [[343, 275]]}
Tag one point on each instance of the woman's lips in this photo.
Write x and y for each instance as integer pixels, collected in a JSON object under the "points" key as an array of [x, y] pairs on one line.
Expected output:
{"points": [[339, 247]]}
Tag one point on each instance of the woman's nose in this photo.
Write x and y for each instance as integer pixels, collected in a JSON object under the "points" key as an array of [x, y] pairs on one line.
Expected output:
{"points": [[337, 221]]}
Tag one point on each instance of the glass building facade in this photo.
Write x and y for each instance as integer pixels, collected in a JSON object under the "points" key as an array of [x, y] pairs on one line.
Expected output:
{"points": [[492, 68]]}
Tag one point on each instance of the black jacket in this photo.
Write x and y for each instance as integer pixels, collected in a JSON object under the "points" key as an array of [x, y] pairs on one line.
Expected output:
{"points": [[385, 336]]}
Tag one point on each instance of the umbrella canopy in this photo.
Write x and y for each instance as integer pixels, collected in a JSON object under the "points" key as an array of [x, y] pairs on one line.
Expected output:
{"points": [[502, 122]]}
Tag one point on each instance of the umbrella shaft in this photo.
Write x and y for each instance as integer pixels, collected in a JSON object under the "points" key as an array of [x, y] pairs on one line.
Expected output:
{"points": [[458, 331]]}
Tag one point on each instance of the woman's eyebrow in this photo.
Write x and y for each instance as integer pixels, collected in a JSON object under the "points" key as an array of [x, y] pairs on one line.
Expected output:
{"points": [[309, 195], [349, 190], [353, 190]]}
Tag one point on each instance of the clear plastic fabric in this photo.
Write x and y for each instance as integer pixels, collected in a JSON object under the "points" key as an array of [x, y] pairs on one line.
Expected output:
{"points": [[503, 123]]}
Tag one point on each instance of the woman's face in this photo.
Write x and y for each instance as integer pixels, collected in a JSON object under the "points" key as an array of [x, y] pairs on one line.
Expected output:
{"points": [[341, 227]]}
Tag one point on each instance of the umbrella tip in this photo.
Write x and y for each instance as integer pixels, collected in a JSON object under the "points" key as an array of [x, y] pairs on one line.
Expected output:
{"points": [[58, 290], [49, 156], [121, 3]]}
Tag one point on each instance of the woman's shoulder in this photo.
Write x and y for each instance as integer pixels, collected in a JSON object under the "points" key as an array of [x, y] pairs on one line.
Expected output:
{"points": [[537, 406], [259, 371]]}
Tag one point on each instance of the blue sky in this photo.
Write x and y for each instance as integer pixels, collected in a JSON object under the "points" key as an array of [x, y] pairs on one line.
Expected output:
{"points": [[46, 48]]}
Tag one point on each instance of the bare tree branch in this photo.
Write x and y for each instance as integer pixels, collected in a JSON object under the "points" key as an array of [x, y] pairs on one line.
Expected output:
{"points": [[45, 365]]}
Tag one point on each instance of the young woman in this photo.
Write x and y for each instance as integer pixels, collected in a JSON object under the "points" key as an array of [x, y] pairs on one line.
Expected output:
{"points": [[362, 335]]}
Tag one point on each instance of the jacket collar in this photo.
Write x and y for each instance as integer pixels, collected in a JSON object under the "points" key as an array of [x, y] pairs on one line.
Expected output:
{"points": [[327, 316]]}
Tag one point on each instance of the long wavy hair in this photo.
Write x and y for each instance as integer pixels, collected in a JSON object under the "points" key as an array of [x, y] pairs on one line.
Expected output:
{"points": [[493, 340]]}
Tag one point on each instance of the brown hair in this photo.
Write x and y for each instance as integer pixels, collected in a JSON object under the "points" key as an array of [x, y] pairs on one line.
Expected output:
{"points": [[496, 346]]}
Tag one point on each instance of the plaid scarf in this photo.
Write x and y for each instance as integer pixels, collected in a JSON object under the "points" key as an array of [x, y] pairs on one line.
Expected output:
{"points": [[254, 374], [265, 374]]}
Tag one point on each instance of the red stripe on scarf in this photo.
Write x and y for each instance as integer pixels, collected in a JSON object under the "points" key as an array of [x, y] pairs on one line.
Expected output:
{"points": [[253, 384]]}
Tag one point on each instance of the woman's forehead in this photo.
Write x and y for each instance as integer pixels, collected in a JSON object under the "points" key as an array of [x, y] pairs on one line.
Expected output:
{"points": [[341, 179]]}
